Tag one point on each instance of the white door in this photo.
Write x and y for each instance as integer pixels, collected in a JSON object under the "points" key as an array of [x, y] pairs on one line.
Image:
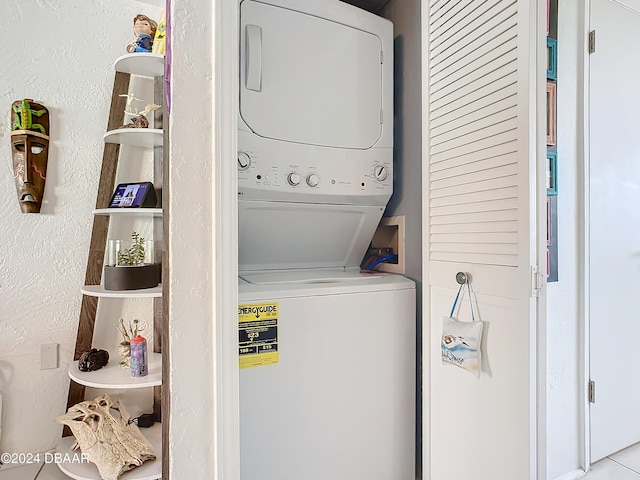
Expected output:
{"points": [[614, 226], [484, 138]]}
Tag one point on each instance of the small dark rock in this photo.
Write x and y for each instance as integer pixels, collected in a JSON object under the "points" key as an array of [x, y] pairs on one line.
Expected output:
{"points": [[92, 360]]}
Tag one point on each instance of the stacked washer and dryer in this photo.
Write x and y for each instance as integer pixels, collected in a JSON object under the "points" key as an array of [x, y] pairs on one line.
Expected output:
{"points": [[327, 388]]}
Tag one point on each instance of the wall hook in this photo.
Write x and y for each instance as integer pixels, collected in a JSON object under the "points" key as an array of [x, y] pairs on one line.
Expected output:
{"points": [[462, 278]]}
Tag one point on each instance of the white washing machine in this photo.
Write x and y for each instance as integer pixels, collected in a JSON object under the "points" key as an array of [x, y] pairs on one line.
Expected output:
{"points": [[328, 374]]}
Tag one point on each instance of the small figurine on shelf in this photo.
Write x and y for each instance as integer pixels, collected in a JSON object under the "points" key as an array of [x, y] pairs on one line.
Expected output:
{"points": [[141, 120], [144, 29], [130, 109], [160, 40]]}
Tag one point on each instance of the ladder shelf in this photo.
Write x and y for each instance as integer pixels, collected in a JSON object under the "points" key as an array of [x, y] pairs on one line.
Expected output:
{"points": [[112, 376]]}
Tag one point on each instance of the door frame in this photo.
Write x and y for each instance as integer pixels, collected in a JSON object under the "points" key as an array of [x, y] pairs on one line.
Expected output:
{"points": [[225, 239], [224, 292], [583, 241]]}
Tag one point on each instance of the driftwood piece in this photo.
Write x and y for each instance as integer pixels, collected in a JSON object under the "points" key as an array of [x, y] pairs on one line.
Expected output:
{"points": [[113, 443], [137, 122]]}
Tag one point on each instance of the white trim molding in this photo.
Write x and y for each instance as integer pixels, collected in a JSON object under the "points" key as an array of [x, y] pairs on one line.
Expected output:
{"points": [[574, 475]]}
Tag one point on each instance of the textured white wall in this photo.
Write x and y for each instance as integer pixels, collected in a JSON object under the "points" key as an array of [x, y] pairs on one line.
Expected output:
{"points": [[61, 53], [203, 245], [192, 282], [407, 196], [407, 186]]}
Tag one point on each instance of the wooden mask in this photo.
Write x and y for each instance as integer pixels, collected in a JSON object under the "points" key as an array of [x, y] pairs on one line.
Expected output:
{"points": [[30, 151]]}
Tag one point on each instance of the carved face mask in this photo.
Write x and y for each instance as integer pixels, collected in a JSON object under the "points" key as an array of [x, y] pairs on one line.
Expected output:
{"points": [[30, 150]]}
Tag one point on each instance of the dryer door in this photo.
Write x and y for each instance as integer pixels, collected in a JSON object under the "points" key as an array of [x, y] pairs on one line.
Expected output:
{"points": [[309, 80]]}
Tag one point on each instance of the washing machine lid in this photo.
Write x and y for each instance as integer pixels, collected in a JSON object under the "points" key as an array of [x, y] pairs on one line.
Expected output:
{"points": [[269, 286], [309, 276], [286, 235], [309, 80]]}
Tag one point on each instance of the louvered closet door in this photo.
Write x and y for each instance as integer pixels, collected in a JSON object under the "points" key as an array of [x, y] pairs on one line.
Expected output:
{"points": [[482, 146]]}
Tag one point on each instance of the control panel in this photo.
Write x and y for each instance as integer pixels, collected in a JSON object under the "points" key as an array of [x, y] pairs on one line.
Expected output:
{"points": [[283, 171], [357, 178]]}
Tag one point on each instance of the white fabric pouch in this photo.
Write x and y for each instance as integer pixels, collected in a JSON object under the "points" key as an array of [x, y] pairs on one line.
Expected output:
{"points": [[461, 341]]}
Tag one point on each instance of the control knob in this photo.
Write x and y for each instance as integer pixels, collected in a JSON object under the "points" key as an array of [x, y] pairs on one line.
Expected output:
{"points": [[380, 173], [313, 180], [244, 161], [293, 179]]}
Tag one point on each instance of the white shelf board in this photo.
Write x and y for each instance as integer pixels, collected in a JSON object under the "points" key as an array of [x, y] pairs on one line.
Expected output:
{"points": [[150, 470], [144, 64], [138, 137], [99, 291], [156, 212], [112, 375]]}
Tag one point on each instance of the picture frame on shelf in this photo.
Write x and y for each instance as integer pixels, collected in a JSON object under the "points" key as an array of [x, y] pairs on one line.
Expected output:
{"points": [[549, 225], [552, 172], [552, 58], [548, 263], [551, 113], [552, 241]]}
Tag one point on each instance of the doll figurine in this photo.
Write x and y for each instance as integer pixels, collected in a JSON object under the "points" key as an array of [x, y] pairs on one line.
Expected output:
{"points": [[144, 29]]}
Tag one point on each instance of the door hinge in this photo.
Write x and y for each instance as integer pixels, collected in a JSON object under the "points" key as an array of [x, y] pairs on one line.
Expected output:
{"points": [[536, 281], [592, 391], [381, 118], [592, 41], [381, 56]]}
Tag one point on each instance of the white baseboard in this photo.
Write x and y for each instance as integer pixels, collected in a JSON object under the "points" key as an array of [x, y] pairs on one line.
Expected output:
{"points": [[575, 475]]}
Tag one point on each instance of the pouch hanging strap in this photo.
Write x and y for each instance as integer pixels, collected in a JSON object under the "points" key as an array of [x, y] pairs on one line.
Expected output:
{"points": [[455, 302]]}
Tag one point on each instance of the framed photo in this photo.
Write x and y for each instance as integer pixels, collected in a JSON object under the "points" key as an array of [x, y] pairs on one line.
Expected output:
{"points": [[552, 58], [552, 173], [551, 113], [549, 225], [552, 242]]}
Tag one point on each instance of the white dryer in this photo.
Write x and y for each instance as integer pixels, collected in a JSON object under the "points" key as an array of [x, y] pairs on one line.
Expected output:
{"points": [[315, 160]]}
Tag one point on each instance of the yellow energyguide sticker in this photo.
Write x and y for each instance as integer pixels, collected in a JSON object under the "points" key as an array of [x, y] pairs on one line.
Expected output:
{"points": [[258, 334]]}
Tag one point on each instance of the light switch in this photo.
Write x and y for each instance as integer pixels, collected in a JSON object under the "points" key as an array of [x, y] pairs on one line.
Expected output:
{"points": [[48, 356]]}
